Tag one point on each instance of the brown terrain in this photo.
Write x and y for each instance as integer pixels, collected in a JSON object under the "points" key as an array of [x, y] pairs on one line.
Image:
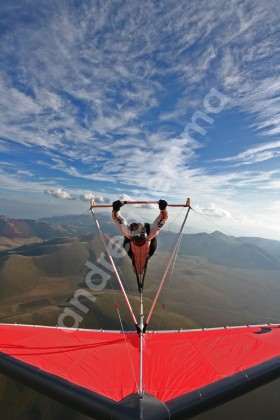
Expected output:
{"points": [[38, 280]]}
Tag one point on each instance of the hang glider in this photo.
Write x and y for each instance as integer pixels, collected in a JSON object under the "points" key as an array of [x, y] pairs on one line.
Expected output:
{"points": [[184, 372], [141, 374]]}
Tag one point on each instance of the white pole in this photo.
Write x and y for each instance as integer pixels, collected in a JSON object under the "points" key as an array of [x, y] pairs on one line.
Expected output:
{"points": [[141, 327], [104, 206], [166, 271], [115, 270]]}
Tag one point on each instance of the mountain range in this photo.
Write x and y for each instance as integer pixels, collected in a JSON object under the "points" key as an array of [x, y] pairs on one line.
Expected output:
{"points": [[44, 262], [218, 248], [217, 280]]}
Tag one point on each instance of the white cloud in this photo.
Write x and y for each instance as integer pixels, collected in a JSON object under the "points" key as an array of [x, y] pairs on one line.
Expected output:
{"points": [[102, 200], [56, 78], [213, 211], [96, 94], [136, 198], [275, 206], [98, 199], [58, 193], [86, 196]]}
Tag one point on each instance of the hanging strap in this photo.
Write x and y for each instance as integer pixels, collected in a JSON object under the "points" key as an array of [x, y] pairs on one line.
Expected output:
{"points": [[140, 278], [144, 273], [139, 283]]}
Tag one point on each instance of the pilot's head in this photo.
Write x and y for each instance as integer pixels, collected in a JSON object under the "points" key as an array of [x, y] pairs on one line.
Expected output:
{"points": [[138, 234]]}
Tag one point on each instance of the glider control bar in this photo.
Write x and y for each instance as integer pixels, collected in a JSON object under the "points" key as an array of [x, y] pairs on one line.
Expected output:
{"points": [[174, 250], [93, 205], [115, 270]]}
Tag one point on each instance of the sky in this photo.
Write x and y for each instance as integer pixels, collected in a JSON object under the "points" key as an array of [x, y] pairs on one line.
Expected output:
{"points": [[151, 99]]}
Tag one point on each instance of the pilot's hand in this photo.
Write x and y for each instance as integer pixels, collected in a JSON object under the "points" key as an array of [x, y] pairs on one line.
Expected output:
{"points": [[118, 204], [162, 204]]}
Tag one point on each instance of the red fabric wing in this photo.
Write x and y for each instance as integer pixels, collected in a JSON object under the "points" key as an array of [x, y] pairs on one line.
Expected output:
{"points": [[107, 363], [178, 363], [98, 361]]}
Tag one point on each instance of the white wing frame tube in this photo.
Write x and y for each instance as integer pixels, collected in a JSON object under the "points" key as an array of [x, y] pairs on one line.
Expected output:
{"points": [[115, 271], [104, 206], [166, 270]]}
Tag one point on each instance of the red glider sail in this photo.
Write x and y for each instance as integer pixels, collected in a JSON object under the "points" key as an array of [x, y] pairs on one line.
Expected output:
{"points": [[176, 364]]}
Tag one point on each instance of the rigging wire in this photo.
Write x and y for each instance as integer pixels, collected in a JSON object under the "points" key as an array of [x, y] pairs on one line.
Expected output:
{"points": [[123, 332], [166, 293], [75, 217], [124, 335], [123, 277], [174, 250], [237, 312], [115, 299], [162, 265], [174, 221], [167, 289], [269, 257], [115, 269], [127, 347]]}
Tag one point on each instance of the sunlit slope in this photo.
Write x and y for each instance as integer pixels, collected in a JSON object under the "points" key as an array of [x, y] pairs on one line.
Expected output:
{"points": [[36, 281], [39, 281], [34, 267], [46, 275], [17, 232], [229, 251], [214, 295]]}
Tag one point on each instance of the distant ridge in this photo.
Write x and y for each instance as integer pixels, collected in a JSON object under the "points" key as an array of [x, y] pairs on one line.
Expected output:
{"points": [[218, 248], [18, 232], [229, 251]]}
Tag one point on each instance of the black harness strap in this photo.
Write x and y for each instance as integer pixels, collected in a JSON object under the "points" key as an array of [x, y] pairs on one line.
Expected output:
{"points": [[139, 282]]}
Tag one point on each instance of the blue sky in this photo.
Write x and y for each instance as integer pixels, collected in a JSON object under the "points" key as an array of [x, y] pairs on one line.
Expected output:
{"points": [[152, 99]]}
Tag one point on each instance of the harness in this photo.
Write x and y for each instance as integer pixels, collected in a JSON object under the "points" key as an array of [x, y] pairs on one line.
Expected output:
{"points": [[140, 274]]}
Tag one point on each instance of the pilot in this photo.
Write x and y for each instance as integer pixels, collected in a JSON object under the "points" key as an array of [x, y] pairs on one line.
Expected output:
{"points": [[140, 240]]}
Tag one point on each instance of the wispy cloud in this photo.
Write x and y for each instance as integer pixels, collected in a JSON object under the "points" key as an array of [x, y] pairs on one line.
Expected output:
{"points": [[102, 91], [16, 183], [256, 154], [71, 91]]}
